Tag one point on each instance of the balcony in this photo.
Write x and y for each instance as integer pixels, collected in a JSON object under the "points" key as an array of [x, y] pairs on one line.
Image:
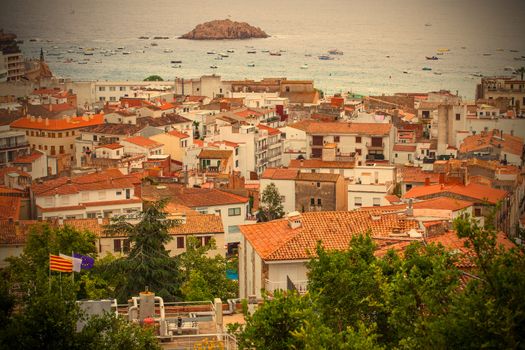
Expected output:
{"points": [[300, 285], [13, 145], [315, 144], [375, 146]]}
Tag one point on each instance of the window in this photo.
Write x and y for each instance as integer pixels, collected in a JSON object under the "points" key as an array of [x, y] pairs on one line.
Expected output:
{"points": [[336, 138], [118, 193], [92, 215], [101, 88], [312, 201], [122, 88], [236, 151], [396, 155], [102, 99], [61, 151], [112, 88], [53, 151], [206, 240], [458, 116], [121, 245], [319, 202], [358, 139], [67, 133], [32, 133], [318, 184], [233, 229], [180, 242], [234, 211], [358, 151], [358, 201], [218, 212], [377, 202], [112, 98], [477, 212], [60, 135], [236, 163]]}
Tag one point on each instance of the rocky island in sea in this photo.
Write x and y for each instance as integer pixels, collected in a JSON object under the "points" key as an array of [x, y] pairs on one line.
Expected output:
{"points": [[224, 30]]}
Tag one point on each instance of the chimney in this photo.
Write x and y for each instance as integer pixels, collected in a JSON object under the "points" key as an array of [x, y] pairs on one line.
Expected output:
{"points": [[294, 219], [442, 178], [410, 208], [427, 181]]}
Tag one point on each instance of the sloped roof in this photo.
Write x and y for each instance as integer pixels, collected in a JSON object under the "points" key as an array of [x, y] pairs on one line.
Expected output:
{"points": [[276, 240], [199, 224], [178, 134], [29, 158], [399, 147], [199, 197], [143, 142], [321, 177], [472, 190], [214, 154], [317, 163], [509, 143], [279, 174], [57, 124]]}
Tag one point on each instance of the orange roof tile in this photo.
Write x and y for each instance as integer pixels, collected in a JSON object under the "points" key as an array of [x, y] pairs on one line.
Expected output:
{"points": [[29, 158], [58, 124], [10, 207], [111, 146], [166, 106], [472, 191], [178, 134], [509, 143], [199, 197], [143, 142], [271, 131], [276, 240], [279, 174], [416, 174], [214, 154], [399, 147], [199, 224]]}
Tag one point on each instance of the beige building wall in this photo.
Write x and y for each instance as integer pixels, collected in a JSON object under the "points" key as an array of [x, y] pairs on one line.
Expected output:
{"points": [[171, 145]]}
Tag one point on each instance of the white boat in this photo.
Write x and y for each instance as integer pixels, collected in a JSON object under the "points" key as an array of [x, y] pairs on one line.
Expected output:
{"points": [[304, 66], [222, 54], [251, 64], [126, 52], [154, 44], [251, 51], [211, 52], [82, 62], [275, 53], [88, 53], [230, 50], [168, 50], [214, 67], [265, 50], [176, 66]]}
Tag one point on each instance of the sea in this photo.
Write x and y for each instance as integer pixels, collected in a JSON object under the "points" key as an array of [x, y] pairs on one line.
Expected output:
{"points": [[384, 42]]}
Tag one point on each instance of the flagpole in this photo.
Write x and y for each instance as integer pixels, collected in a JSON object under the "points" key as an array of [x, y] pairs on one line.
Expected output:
{"points": [[73, 271]]}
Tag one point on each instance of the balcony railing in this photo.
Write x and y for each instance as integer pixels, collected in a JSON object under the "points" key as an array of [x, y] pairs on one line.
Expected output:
{"points": [[299, 285], [372, 146], [14, 145]]}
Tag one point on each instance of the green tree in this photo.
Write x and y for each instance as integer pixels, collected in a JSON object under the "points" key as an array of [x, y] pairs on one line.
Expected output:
{"points": [[154, 78], [148, 263], [204, 276], [271, 206], [274, 323], [521, 72]]}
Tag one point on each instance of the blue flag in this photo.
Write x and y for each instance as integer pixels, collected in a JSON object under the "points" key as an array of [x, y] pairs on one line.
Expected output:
{"points": [[87, 261]]}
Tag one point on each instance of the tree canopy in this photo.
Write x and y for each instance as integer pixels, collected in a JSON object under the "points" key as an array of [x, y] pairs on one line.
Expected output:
{"points": [[154, 78], [271, 206], [419, 299]]}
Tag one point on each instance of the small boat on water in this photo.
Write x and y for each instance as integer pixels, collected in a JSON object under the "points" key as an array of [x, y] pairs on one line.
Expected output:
{"points": [[265, 50], [222, 54], [88, 53], [304, 66], [126, 52], [82, 62], [154, 44], [487, 54], [144, 37], [211, 52], [275, 53], [168, 50], [405, 72], [512, 50], [325, 58], [335, 52], [251, 64], [218, 58], [426, 68], [479, 75], [499, 49], [251, 51], [463, 47], [428, 24], [433, 58], [214, 67], [176, 66], [443, 49], [176, 61], [439, 53], [307, 55], [438, 73], [230, 50]]}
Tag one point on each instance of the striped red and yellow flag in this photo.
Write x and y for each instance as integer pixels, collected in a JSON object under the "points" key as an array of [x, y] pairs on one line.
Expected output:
{"points": [[58, 263]]}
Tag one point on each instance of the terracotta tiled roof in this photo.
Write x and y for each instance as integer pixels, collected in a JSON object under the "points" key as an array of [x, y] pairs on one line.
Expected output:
{"points": [[30, 158], [342, 128], [416, 174], [13, 232], [247, 113], [392, 198], [114, 129], [321, 177], [165, 120], [198, 197], [510, 144], [109, 179], [438, 203], [301, 97], [10, 207], [199, 224], [471, 191], [57, 124], [317, 164], [275, 240], [111, 146], [451, 242], [279, 174], [91, 225], [271, 131], [399, 147], [214, 154], [166, 106], [178, 134], [114, 202], [61, 209], [143, 142]]}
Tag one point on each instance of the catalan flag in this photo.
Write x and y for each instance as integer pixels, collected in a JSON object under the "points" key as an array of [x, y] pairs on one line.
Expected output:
{"points": [[58, 263]]}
